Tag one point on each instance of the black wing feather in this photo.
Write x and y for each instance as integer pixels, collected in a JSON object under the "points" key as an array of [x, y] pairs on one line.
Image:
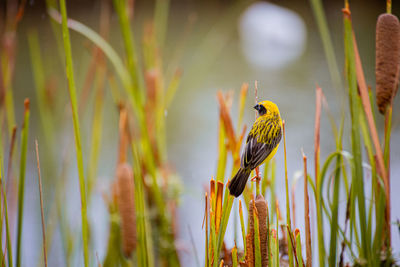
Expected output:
{"points": [[256, 152]]}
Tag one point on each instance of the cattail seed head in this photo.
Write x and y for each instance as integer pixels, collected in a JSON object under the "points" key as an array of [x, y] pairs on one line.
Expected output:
{"points": [[387, 59], [261, 206], [126, 206]]}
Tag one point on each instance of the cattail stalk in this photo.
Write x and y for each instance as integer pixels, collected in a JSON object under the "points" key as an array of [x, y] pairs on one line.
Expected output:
{"points": [[206, 222], [307, 216], [41, 204], [321, 246], [288, 220], [242, 226]]}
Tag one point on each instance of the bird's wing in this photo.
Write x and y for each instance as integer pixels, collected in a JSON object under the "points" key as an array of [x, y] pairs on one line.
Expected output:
{"points": [[256, 152]]}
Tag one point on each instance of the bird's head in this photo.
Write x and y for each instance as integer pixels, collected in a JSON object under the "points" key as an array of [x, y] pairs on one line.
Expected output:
{"points": [[267, 108]]}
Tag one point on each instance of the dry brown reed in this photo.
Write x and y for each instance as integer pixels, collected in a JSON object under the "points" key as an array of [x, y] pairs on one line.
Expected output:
{"points": [[293, 243], [227, 121], [218, 205]]}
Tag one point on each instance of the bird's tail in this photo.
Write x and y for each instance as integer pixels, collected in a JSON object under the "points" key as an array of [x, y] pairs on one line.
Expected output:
{"points": [[238, 182]]}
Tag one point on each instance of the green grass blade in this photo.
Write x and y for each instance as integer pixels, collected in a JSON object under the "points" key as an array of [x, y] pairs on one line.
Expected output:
{"points": [[214, 250], [388, 130], [277, 239], [335, 205], [298, 248], [101, 43], [5, 205], [39, 80], [57, 32], [161, 21], [145, 249], [125, 76], [335, 214], [75, 118], [374, 180], [226, 207], [9, 107], [268, 237], [234, 257], [272, 186], [242, 227], [97, 128], [21, 187], [288, 221], [222, 152], [354, 102], [129, 45]]}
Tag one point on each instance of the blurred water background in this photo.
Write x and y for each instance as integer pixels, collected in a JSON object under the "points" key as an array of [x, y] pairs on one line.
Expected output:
{"points": [[226, 46]]}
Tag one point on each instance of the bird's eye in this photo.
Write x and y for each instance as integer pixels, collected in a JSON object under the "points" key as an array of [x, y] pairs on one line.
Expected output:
{"points": [[262, 110]]}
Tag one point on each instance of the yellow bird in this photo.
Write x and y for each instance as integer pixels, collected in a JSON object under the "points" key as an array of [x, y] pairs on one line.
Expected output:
{"points": [[261, 145]]}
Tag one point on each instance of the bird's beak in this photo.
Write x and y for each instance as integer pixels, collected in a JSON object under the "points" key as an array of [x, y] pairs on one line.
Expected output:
{"points": [[257, 107]]}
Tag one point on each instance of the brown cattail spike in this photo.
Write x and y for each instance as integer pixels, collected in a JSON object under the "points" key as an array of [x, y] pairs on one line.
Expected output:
{"points": [[126, 206], [387, 59], [261, 206]]}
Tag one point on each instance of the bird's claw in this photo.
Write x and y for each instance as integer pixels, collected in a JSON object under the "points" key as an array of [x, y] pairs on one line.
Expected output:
{"points": [[257, 177]]}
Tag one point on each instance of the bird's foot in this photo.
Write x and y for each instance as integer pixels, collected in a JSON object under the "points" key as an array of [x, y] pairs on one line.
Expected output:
{"points": [[256, 178]]}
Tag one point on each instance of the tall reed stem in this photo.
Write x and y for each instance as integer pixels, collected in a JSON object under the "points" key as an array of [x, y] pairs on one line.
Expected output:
{"points": [[75, 118], [288, 221], [307, 216], [41, 204], [354, 103], [21, 190]]}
